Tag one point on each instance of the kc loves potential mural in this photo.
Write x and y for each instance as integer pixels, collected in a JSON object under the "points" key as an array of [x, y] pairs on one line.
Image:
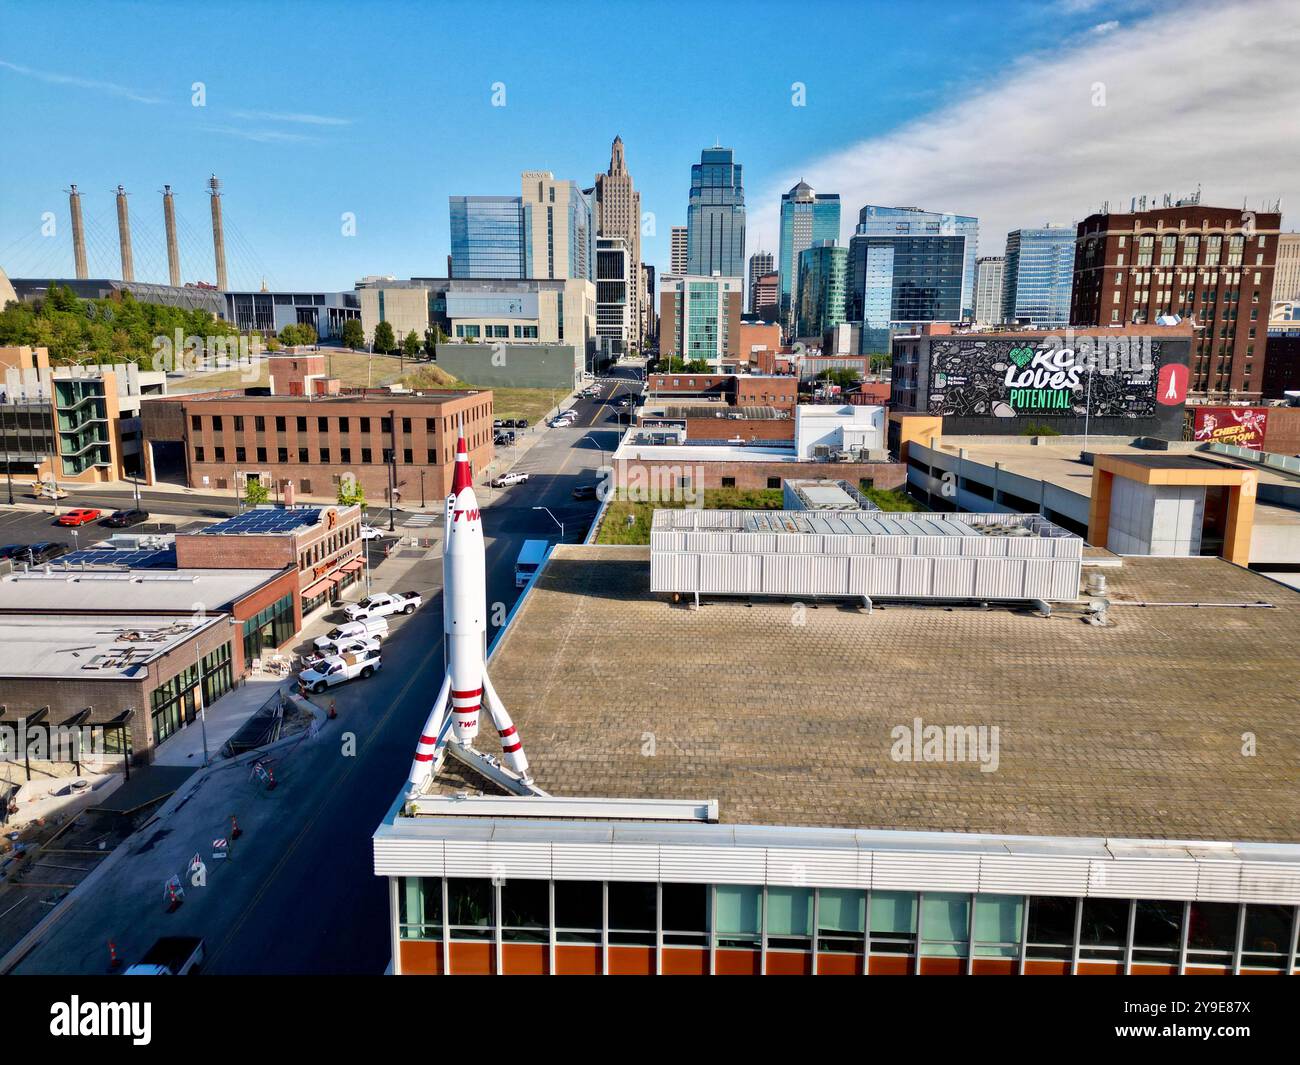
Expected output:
{"points": [[1033, 377]]}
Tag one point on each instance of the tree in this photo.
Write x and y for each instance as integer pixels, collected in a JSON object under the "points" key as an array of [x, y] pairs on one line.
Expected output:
{"points": [[383, 339], [354, 335], [350, 491], [411, 345], [841, 376], [255, 492]]}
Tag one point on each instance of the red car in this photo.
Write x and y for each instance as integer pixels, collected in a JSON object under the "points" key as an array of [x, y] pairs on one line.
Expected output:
{"points": [[79, 516]]}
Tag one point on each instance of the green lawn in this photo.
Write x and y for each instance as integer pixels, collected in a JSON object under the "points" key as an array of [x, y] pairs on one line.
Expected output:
{"points": [[615, 529], [891, 499]]}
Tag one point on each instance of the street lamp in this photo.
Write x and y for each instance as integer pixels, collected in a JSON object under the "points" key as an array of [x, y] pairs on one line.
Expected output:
{"points": [[554, 519], [422, 490]]}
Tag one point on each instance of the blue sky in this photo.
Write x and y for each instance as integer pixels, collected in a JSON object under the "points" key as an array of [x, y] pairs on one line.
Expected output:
{"points": [[384, 109]]}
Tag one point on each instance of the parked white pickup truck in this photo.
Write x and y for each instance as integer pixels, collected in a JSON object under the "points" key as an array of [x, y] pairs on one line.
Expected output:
{"points": [[371, 628], [338, 668], [342, 647], [381, 604], [170, 956]]}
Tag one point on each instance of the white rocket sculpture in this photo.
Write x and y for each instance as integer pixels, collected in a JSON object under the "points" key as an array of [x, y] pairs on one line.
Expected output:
{"points": [[466, 687]]}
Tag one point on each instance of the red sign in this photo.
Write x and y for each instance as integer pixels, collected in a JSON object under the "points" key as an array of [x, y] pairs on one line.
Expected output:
{"points": [[1238, 426], [1171, 389]]}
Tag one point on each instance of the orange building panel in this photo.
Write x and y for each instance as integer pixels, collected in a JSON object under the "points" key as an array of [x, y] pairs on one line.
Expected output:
{"points": [[420, 957], [575, 960], [524, 959]]}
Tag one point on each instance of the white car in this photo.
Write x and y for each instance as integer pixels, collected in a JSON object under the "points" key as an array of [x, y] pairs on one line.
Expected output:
{"points": [[372, 628], [381, 604], [507, 479], [369, 532], [563, 421], [338, 668]]}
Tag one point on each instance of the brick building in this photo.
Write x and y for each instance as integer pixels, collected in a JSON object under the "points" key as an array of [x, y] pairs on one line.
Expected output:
{"points": [[305, 444], [1213, 265], [735, 390]]}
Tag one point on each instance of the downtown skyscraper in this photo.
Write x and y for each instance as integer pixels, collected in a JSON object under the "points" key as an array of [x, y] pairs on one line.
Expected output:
{"points": [[806, 218], [760, 263], [1039, 276], [618, 216], [715, 216]]}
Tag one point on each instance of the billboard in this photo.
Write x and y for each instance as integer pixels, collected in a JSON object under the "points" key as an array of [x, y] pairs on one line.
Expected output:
{"points": [[1038, 378], [1238, 426]]}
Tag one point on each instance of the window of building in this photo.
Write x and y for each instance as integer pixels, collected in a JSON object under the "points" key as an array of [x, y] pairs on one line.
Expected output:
{"points": [[365, 455], [998, 920], [406, 425], [268, 629], [633, 913], [1212, 933], [345, 455], [216, 423], [259, 423], [343, 425], [198, 454], [945, 924], [1104, 929], [774, 482], [685, 914], [322, 425], [261, 454], [893, 922], [325, 455], [728, 482], [1051, 927], [240, 455], [385, 425], [432, 456], [740, 916], [282, 454], [1268, 937], [365, 425], [841, 916], [302, 456], [526, 911], [195, 422], [430, 425], [470, 913], [579, 909], [419, 907], [218, 454], [407, 456], [1157, 931], [789, 918], [239, 423]]}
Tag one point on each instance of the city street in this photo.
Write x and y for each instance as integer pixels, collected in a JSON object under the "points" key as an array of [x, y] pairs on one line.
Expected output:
{"points": [[299, 894]]}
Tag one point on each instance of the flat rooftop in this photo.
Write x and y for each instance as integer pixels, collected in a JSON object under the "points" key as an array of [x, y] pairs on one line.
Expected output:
{"points": [[68, 647], [112, 591], [787, 716]]}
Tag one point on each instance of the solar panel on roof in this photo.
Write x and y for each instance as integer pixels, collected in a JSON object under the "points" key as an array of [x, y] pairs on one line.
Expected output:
{"points": [[154, 558], [265, 521]]}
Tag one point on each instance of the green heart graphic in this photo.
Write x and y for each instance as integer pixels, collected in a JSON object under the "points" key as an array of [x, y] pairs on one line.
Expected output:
{"points": [[1021, 356]]}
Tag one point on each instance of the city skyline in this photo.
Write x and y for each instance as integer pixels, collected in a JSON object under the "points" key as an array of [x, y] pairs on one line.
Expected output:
{"points": [[288, 226]]}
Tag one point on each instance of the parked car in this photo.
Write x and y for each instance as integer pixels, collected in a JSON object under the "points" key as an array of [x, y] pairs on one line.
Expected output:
{"points": [[44, 551], [47, 490], [124, 519], [497, 423], [343, 646], [78, 516], [170, 956], [521, 423], [12, 551], [369, 532], [382, 604], [372, 628], [585, 491], [507, 479], [338, 668]]}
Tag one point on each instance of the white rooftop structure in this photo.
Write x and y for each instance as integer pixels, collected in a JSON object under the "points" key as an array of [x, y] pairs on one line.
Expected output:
{"points": [[821, 431], [101, 648], [84, 591]]}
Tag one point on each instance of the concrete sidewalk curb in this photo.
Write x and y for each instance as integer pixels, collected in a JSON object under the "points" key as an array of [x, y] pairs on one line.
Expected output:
{"points": [[181, 795]]}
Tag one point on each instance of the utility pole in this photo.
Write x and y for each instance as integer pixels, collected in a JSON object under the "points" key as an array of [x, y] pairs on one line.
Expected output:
{"points": [[392, 470]]}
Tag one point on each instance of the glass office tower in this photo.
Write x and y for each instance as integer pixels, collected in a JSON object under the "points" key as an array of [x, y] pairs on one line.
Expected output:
{"points": [[715, 216], [914, 222], [898, 282], [823, 269], [1039, 277], [489, 236], [806, 218]]}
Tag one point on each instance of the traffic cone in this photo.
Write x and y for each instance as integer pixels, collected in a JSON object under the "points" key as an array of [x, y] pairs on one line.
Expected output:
{"points": [[235, 830], [114, 962], [333, 710], [173, 900]]}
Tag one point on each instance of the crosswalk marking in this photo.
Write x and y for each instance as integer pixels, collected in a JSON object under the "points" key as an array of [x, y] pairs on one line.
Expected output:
{"points": [[420, 519]]}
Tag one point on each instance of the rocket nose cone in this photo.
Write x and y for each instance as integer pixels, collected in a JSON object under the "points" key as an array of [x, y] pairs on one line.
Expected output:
{"points": [[462, 477]]}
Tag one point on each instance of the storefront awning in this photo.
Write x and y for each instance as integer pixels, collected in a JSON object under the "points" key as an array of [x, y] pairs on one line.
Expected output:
{"points": [[351, 567], [316, 589]]}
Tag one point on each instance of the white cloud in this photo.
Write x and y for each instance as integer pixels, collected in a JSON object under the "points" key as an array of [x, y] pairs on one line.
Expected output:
{"points": [[1198, 95], [286, 116], [262, 136], [1105, 27], [53, 78]]}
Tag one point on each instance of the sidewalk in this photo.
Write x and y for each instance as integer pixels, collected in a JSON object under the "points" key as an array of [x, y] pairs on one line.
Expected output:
{"points": [[221, 720]]}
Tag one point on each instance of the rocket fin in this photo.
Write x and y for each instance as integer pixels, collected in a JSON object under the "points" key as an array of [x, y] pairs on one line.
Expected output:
{"points": [[422, 766], [512, 748]]}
